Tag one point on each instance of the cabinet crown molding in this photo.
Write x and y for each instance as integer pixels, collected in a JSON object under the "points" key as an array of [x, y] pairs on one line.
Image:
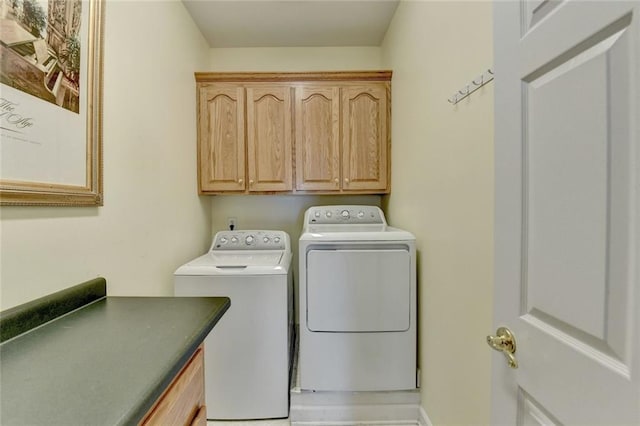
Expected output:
{"points": [[244, 77]]}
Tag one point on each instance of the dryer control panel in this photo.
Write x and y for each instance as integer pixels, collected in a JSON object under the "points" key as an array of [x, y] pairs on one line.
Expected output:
{"points": [[350, 215], [250, 240]]}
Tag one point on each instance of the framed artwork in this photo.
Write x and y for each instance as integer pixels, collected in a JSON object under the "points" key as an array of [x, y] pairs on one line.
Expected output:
{"points": [[51, 102]]}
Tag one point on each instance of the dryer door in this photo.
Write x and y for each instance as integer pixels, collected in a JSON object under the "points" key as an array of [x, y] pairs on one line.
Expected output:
{"points": [[358, 290]]}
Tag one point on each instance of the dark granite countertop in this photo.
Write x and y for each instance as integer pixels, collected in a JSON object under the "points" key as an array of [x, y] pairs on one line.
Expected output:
{"points": [[103, 364]]}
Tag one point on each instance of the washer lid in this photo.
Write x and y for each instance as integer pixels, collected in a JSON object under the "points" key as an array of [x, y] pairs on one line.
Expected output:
{"points": [[238, 263]]}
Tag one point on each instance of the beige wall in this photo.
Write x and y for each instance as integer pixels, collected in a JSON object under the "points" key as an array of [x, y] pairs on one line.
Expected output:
{"points": [[152, 220], [443, 192], [295, 59]]}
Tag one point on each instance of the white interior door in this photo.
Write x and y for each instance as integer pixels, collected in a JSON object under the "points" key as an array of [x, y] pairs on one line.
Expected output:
{"points": [[567, 224]]}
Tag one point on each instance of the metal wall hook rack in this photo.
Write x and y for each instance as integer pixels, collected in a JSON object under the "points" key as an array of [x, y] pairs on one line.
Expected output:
{"points": [[471, 87]]}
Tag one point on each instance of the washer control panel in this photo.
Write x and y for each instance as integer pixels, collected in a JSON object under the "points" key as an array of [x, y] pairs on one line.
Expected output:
{"points": [[250, 240], [345, 215]]}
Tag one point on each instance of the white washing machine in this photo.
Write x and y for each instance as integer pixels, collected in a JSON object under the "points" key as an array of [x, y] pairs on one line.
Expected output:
{"points": [[357, 302], [248, 353]]}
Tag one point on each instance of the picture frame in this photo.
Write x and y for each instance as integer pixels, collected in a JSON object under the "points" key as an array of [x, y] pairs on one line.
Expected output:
{"points": [[51, 142]]}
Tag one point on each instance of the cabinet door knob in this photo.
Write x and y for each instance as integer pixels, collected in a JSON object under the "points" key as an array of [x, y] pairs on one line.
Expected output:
{"points": [[346, 181], [240, 181], [250, 181], [336, 180]]}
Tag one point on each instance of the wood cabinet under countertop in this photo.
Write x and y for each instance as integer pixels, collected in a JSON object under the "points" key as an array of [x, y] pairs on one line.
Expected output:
{"points": [[182, 403], [326, 132]]}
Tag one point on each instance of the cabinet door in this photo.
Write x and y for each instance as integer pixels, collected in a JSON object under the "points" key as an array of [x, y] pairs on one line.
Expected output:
{"points": [[221, 138], [182, 401], [317, 120], [269, 135], [365, 137]]}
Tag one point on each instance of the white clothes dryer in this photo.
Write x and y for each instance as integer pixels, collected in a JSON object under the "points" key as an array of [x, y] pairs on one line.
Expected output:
{"points": [[357, 301], [247, 356]]}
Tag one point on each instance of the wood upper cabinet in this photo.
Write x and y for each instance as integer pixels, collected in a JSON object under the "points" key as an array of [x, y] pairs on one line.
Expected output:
{"points": [[365, 141], [221, 146], [342, 139], [269, 134], [317, 120], [336, 123], [227, 155]]}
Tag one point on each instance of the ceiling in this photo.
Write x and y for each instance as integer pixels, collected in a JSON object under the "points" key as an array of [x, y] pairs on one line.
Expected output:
{"points": [[292, 23]]}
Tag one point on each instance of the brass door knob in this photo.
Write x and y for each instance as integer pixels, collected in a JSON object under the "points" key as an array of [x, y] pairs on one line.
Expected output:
{"points": [[504, 341]]}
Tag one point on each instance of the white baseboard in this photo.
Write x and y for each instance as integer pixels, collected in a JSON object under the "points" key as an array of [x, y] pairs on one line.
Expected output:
{"points": [[423, 418]]}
